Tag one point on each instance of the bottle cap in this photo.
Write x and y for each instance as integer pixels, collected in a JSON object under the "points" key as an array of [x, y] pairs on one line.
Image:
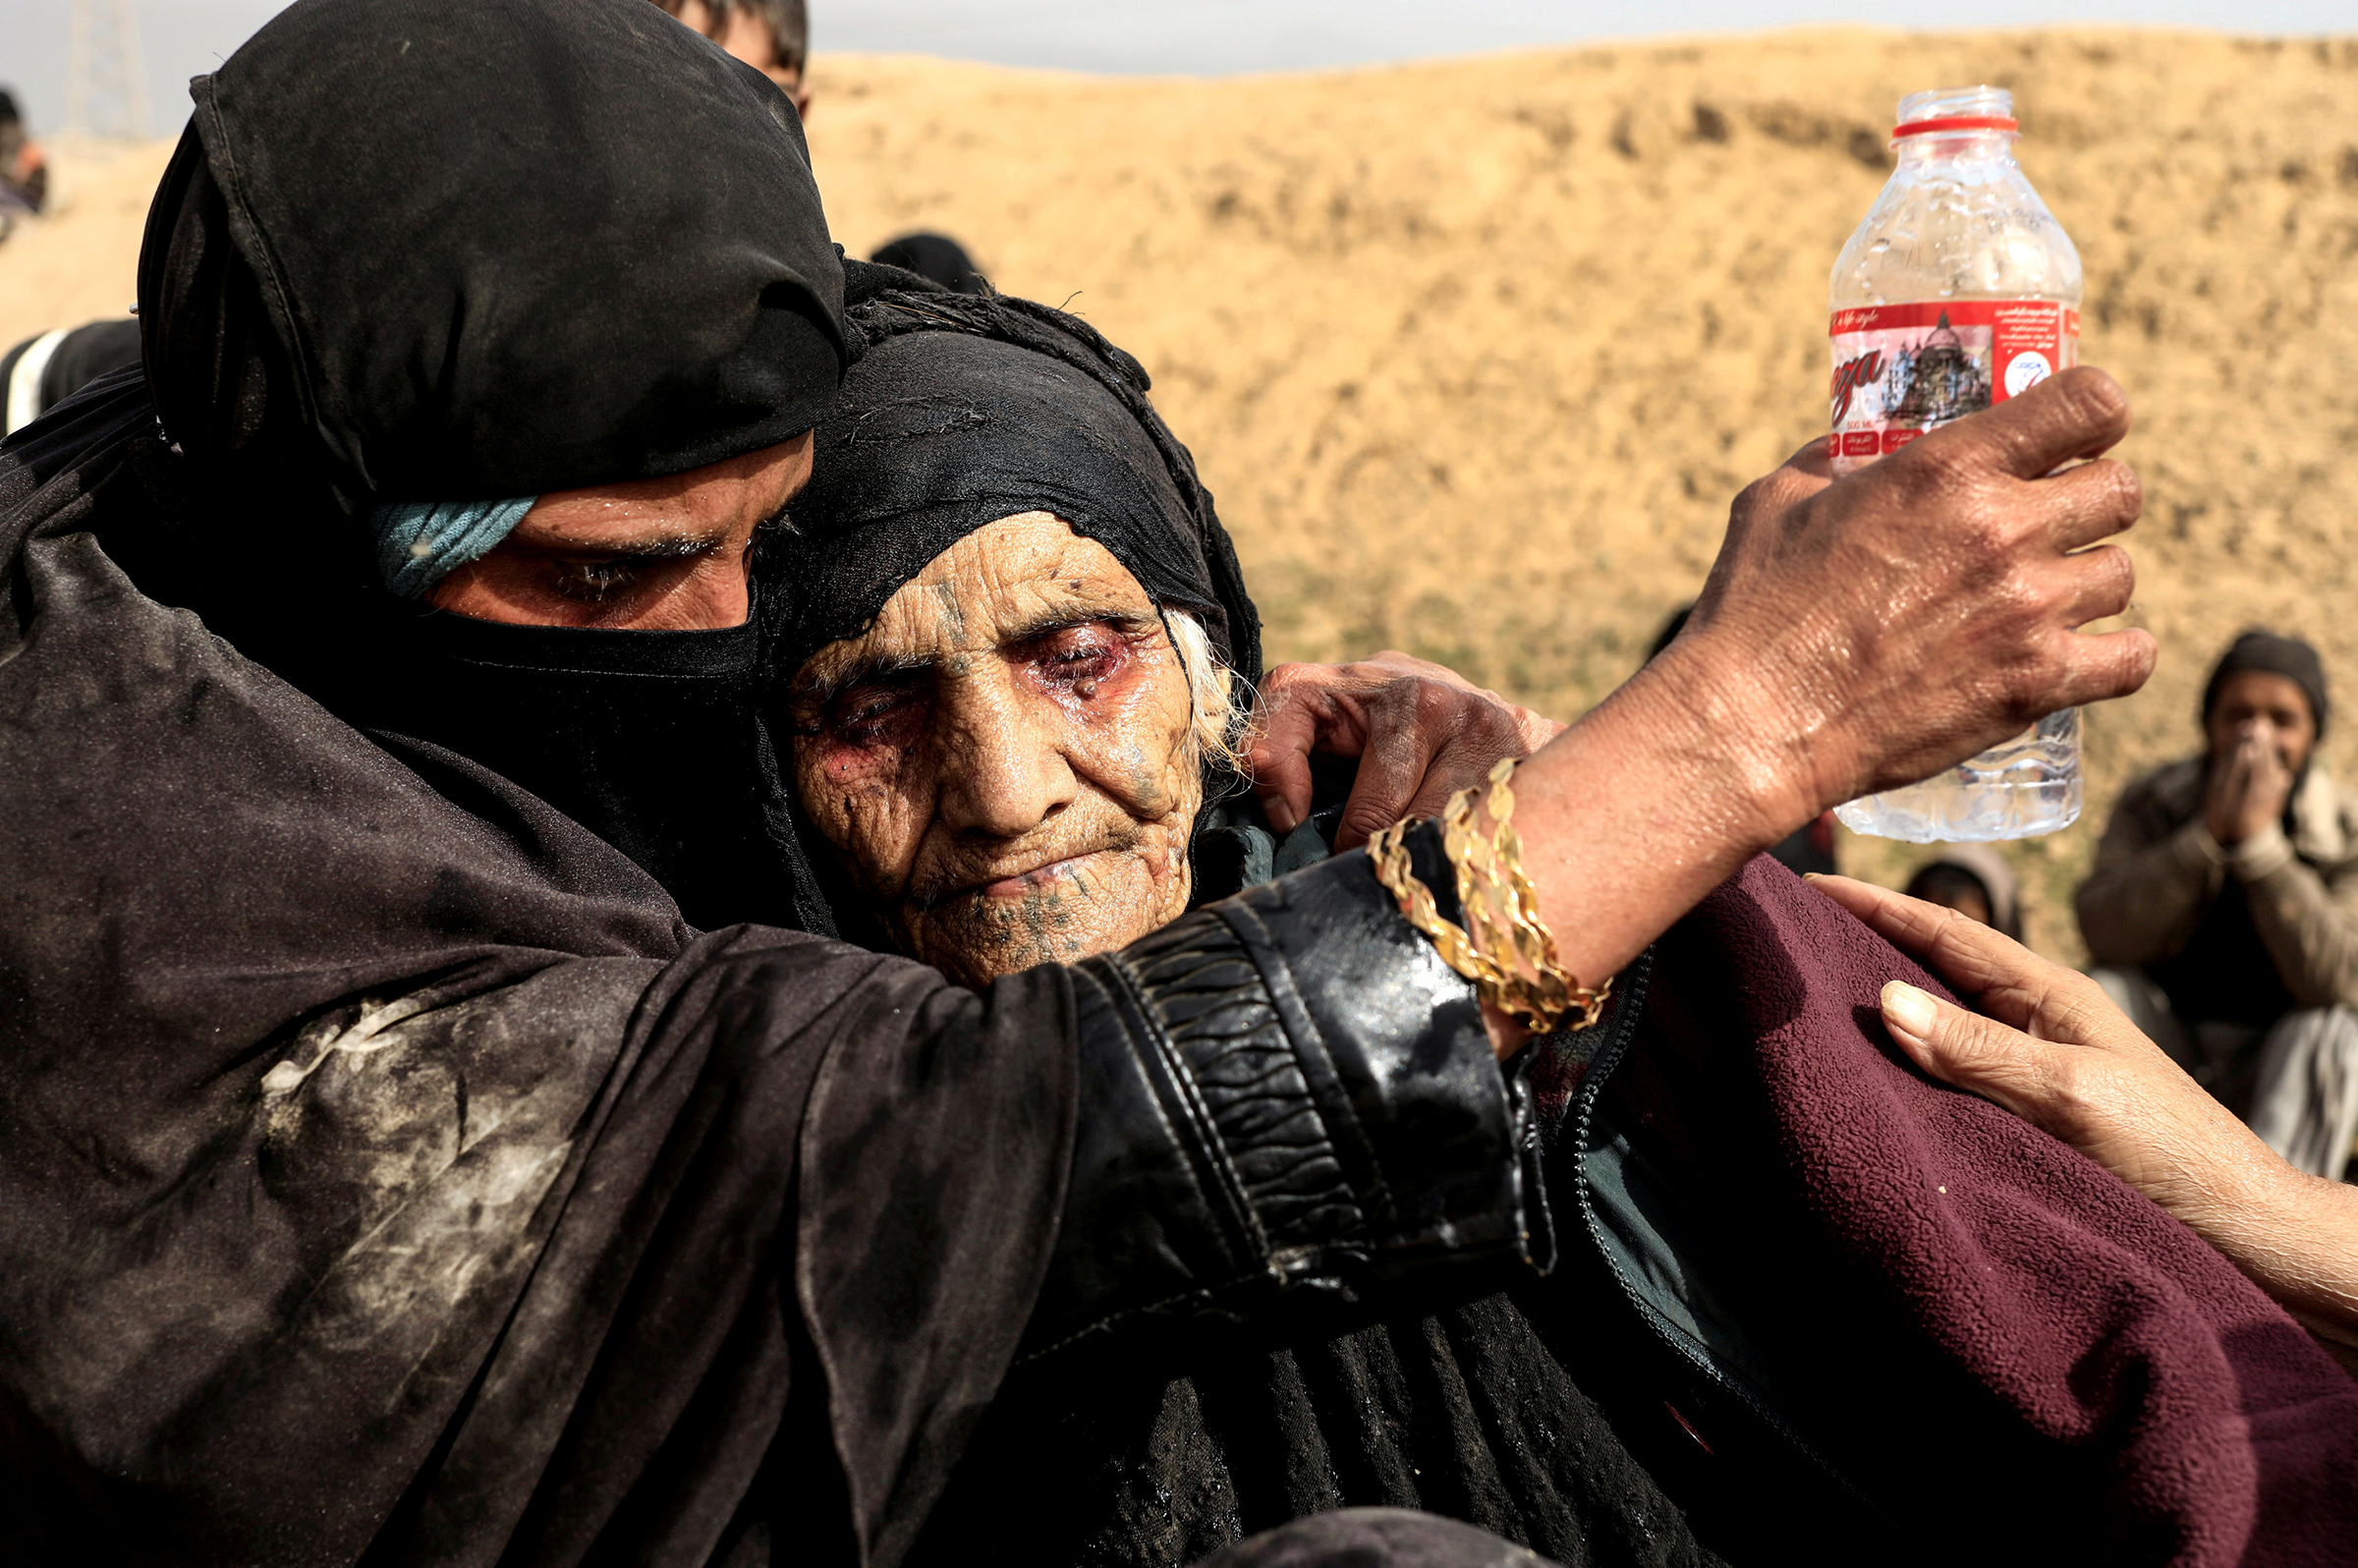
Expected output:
{"points": [[1966, 122]]}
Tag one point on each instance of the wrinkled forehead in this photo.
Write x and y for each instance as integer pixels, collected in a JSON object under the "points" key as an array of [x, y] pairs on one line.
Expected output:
{"points": [[1013, 579]]}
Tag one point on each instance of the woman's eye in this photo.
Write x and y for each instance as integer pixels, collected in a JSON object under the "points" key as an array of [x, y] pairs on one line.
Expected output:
{"points": [[598, 581], [1080, 654], [869, 717]]}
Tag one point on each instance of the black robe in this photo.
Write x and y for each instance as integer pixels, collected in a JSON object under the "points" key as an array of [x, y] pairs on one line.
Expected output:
{"points": [[388, 1174]]}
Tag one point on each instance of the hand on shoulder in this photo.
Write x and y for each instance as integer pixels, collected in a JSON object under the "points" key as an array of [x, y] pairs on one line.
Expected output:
{"points": [[2050, 1047]]}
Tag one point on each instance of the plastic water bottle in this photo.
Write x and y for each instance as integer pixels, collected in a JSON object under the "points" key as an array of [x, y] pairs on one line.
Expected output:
{"points": [[1958, 291]]}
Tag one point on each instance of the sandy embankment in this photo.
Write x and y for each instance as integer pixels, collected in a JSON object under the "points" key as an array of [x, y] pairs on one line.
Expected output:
{"points": [[1476, 353], [82, 262]]}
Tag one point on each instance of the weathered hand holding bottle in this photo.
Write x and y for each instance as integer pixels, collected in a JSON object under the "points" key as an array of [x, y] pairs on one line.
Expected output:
{"points": [[1959, 290]]}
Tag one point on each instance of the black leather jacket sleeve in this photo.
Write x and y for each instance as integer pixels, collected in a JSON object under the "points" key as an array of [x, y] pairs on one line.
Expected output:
{"points": [[1287, 1088]]}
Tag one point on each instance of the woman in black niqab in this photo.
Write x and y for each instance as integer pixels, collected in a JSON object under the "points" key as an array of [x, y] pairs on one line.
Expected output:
{"points": [[390, 1173], [531, 274]]}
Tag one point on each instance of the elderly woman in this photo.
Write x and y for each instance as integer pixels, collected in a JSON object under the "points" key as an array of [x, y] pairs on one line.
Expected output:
{"points": [[1016, 654], [1018, 662]]}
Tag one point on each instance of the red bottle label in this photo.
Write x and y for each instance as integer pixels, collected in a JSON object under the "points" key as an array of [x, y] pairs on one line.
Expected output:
{"points": [[1902, 369]]}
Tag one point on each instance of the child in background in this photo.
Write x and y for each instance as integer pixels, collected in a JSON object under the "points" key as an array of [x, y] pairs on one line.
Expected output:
{"points": [[1974, 880], [773, 36]]}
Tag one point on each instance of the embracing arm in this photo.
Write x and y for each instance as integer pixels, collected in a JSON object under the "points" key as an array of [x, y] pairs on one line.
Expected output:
{"points": [[1268, 1034], [1285, 1088], [1854, 635]]}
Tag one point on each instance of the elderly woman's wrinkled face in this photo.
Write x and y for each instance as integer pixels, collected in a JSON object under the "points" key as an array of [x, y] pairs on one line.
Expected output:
{"points": [[1003, 761]]}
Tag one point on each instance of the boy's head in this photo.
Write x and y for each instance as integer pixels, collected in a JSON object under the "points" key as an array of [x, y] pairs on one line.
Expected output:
{"points": [[773, 36], [2270, 686]]}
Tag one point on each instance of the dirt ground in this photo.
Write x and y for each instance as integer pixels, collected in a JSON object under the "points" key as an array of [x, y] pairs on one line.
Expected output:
{"points": [[1476, 353]]}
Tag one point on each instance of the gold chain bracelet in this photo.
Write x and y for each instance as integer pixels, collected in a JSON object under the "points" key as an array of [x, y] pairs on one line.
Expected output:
{"points": [[1509, 955]]}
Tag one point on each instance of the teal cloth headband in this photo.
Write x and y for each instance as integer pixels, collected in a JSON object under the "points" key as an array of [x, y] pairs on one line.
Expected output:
{"points": [[421, 542]]}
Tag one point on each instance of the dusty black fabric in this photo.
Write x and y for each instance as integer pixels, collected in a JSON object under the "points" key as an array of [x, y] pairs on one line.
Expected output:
{"points": [[387, 1168], [388, 1174], [964, 410], [576, 243], [2266, 651], [651, 740], [1469, 1411]]}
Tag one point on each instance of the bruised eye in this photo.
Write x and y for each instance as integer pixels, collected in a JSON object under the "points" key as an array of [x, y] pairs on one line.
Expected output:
{"points": [[1076, 657], [872, 713]]}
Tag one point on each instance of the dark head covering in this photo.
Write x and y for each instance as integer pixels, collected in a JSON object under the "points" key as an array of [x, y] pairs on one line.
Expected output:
{"points": [[962, 410], [409, 249], [2271, 655], [935, 257], [471, 252]]}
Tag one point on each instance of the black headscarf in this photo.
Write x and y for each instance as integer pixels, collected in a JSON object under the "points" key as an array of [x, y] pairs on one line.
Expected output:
{"points": [[2271, 655], [542, 268], [576, 243], [962, 410]]}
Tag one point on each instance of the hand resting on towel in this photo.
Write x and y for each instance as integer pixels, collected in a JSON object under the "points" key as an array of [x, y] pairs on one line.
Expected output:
{"points": [[2049, 1047]]}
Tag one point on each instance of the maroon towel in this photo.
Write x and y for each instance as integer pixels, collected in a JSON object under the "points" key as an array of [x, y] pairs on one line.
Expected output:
{"points": [[1988, 1326]]}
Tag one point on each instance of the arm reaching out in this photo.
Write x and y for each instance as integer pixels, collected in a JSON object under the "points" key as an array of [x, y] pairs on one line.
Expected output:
{"points": [[2054, 1051], [1854, 634]]}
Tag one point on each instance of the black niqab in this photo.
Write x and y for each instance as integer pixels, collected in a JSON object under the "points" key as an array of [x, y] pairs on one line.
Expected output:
{"points": [[648, 739], [579, 245], [536, 272], [962, 410]]}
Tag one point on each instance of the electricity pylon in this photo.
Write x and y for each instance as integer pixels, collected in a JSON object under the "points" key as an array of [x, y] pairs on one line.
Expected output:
{"points": [[107, 83]]}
